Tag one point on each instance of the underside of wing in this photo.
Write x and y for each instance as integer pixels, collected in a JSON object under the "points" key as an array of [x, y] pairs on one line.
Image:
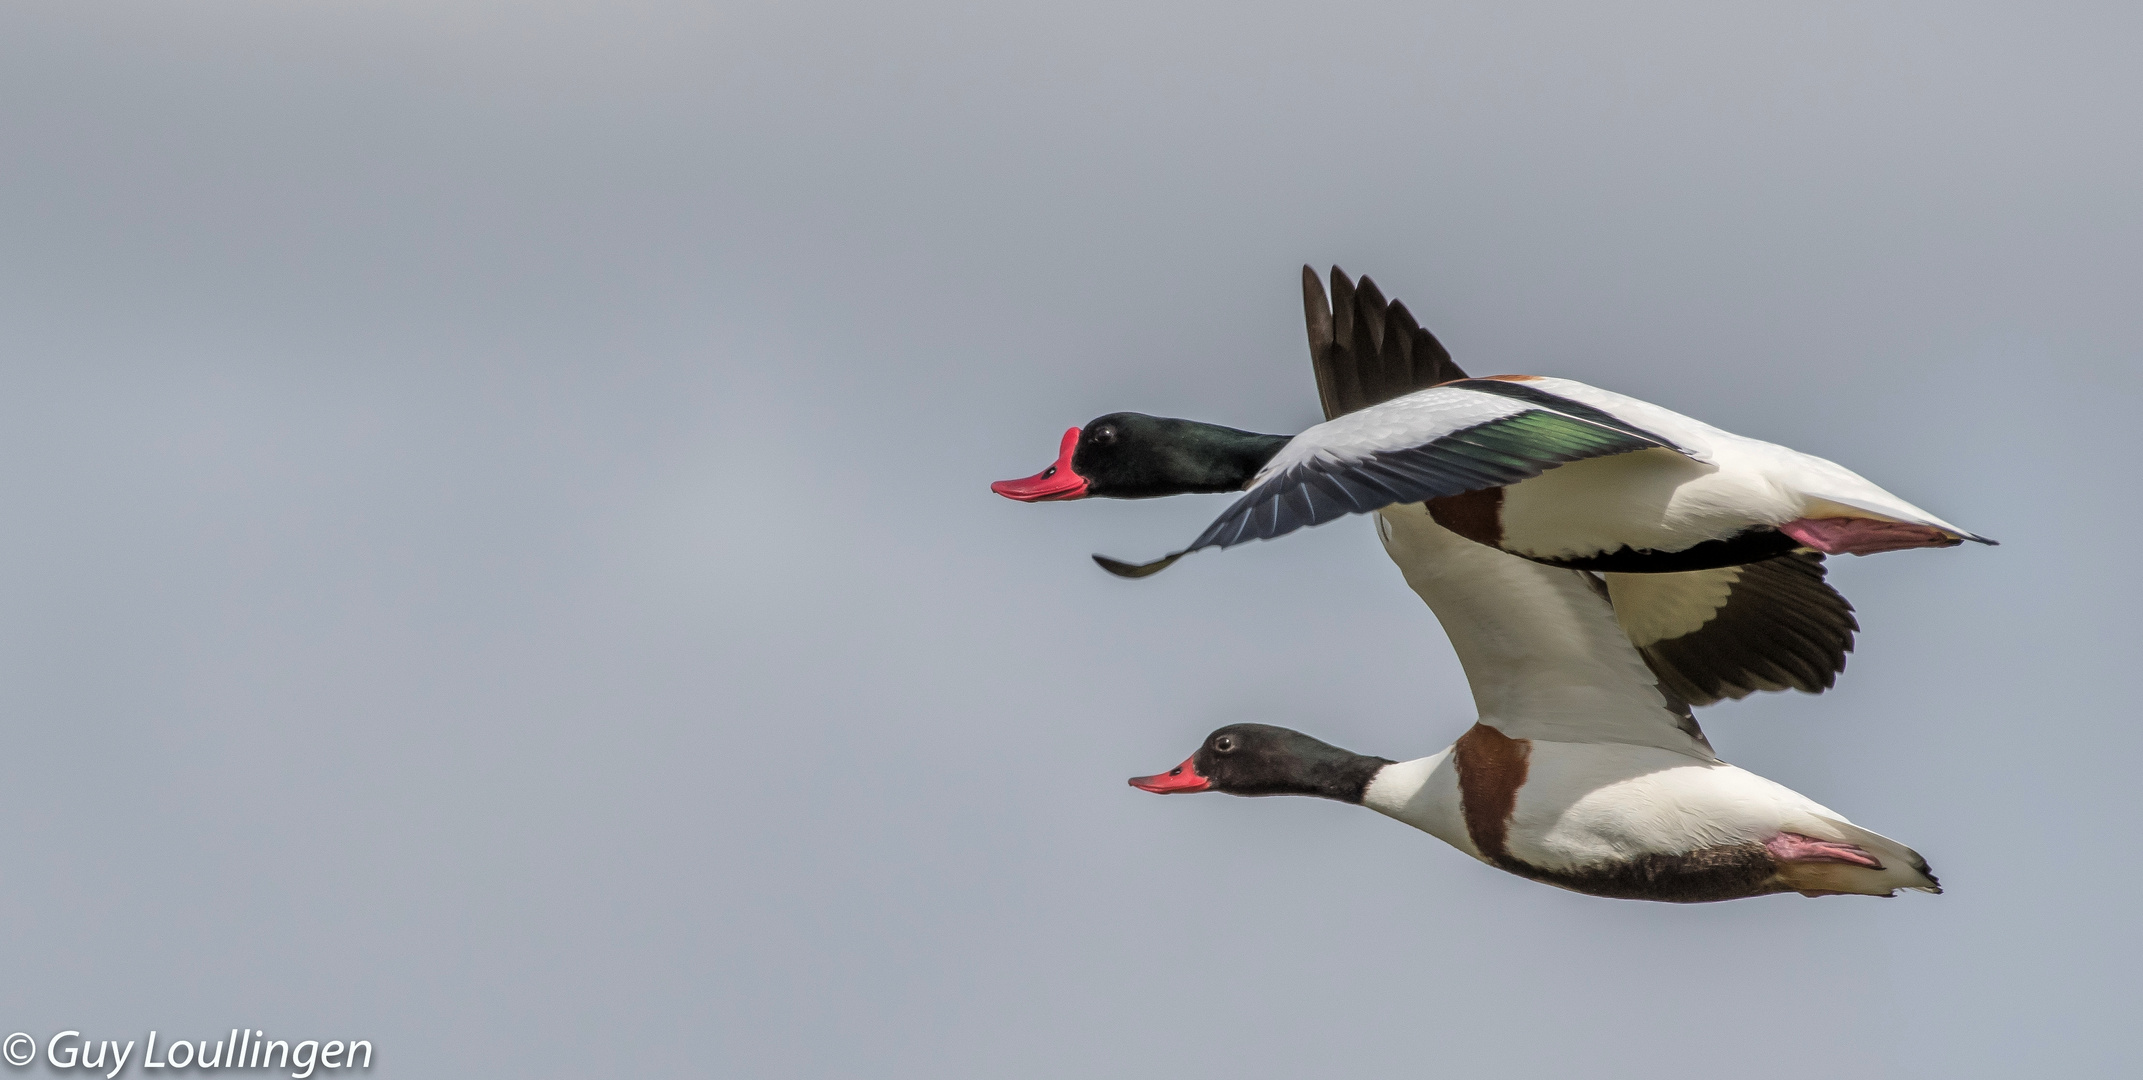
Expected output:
{"points": [[1541, 647], [1713, 635], [1367, 350]]}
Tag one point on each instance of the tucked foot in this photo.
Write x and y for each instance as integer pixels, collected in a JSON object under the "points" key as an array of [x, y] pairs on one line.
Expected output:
{"points": [[1789, 847], [1862, 536]]}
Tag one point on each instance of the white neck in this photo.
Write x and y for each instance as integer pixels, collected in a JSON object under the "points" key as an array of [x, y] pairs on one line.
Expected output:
{"points": [[1422, 793]]}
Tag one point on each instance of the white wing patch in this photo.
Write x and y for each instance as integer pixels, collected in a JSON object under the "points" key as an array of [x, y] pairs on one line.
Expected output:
{"points": [[1655, 607]]}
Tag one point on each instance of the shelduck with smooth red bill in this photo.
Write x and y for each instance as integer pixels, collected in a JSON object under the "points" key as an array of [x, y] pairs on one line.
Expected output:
{"points": [[1584, 770]]}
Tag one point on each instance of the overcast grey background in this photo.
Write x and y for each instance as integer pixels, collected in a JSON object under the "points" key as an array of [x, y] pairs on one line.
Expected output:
{"points": [[498, 560]]}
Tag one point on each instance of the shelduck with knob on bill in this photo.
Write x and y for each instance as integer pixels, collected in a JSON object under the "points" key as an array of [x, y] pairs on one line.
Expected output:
{"points": [[1709, 635], [1549, 469]]}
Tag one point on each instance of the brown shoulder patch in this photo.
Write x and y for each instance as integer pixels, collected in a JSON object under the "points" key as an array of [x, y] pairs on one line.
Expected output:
{"points": [[1475, 515], [1491, 769], [1513, 378]]}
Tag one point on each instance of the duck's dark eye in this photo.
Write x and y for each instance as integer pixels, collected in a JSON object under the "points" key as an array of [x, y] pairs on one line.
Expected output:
{"points": [[1050, 471], [1105, 435], [1225, 744]]}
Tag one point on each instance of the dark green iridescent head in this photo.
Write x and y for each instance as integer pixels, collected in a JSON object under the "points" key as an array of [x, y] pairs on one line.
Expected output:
{"points": [[1134, 456]]}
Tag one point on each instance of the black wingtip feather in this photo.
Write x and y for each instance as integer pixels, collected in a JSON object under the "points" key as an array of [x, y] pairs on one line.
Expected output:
{"points": [[1317, 320], [1369, 310], [1783, 628], [1365, 349], [1137, 570], [1342, 309]]}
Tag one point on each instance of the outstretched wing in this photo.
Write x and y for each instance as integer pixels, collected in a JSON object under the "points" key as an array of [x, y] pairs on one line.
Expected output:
{"points": [[1540, 645], [1709, 635], [1366, 350], [1446, 440], [1712, 635]]}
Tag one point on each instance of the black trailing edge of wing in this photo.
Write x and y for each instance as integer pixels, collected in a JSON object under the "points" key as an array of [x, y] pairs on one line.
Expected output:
{"points": [[1782, 628]]}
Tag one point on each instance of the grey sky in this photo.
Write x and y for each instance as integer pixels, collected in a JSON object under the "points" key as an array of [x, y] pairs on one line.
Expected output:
{"points": [[498, 558]]}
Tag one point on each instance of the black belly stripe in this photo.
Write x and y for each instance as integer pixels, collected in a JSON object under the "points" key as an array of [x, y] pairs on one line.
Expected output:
{"points": [[1703, 876], [1747, 546]]}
